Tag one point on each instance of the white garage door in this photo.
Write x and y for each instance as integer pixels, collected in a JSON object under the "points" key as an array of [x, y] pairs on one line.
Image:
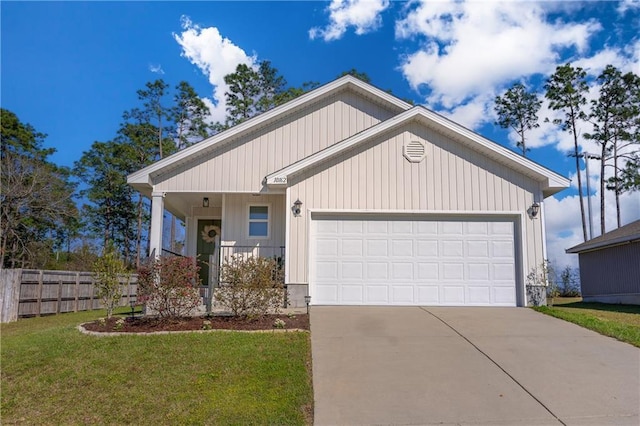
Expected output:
{"points": [[403, 260]]}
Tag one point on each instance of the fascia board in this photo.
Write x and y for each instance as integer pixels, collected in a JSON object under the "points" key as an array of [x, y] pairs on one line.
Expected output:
{"points": [[144, 174], [550, 179]]}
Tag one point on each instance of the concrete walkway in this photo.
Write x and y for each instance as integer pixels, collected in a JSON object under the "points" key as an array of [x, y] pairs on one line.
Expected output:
{"points": [[477, 366]]}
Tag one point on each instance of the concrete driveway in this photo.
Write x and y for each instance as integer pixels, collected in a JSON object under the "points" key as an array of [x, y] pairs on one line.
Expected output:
{"points": [[506, 366]]}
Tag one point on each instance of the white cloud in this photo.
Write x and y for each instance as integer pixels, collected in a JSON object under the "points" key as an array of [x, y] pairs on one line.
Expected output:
{"points": [[363, 15], [628, 5], [216, 56], [472, 48], [156, 69]]}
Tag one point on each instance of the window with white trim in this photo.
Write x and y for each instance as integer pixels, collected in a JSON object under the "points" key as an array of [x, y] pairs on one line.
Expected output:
{"points": [[258, 221]]}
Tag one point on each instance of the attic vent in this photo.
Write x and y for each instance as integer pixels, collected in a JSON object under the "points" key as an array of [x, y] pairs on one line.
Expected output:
{"points": [[414, 151]]}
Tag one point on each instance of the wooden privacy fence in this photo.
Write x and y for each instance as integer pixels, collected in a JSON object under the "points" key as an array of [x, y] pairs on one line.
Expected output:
{"points": [[30, 292]]}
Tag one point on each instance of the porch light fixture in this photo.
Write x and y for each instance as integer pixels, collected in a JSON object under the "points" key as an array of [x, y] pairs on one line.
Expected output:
{"points": [[132, 303], [297, 207], [307, 300], [535, 209], [205, 202]]}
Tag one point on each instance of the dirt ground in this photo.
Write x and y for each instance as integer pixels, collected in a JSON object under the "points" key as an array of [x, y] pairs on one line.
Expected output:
{"points": [[216, 322]]}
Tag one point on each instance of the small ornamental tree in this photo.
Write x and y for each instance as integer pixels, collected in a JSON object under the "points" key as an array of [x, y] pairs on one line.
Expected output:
{"points": [[169, 286], [107, 269], [252, 286]]}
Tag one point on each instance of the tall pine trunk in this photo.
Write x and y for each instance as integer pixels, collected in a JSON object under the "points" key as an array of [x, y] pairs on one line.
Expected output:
{"points": [[575, 145], [602, 188]]}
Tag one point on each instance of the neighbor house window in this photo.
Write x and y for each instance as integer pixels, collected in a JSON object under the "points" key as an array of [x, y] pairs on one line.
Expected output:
{"points": [[258, 221]]}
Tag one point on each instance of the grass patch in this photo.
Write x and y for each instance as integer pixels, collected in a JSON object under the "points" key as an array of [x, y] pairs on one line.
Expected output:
{"points": [[621, 322], [53, 374]]}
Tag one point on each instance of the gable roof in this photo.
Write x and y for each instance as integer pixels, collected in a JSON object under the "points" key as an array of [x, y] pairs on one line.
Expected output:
{"points": [[551, 181], [142, 178], [625, 234]]}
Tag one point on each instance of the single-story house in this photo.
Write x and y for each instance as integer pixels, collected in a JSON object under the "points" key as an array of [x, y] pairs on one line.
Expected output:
{"points": [[610, 266], [367, 199]]}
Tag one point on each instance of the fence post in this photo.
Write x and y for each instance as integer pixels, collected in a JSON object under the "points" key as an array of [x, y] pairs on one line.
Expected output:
{"points": [[76, 293], [91, 293], [10, 280], [40, 278], [59, 304]]}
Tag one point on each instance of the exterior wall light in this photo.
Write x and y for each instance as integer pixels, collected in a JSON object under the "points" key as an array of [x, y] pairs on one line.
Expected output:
{"points": [[297, 207], [534, 209], [307, 300], [205, 202]]}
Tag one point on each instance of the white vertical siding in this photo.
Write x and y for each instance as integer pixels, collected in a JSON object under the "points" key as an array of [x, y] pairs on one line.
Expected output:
{"points": [[240, 165], [236, 219], [376, 176]]}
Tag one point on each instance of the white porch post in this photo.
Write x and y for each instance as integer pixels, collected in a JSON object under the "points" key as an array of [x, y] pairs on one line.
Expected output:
{"points": [[157, 213]]}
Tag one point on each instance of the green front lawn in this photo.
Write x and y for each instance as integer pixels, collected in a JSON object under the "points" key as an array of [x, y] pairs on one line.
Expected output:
{"points": [[53, 374], [621, 322]]}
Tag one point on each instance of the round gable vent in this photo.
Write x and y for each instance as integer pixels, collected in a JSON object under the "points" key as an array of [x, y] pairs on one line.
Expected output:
{"points": [[414, 151]]}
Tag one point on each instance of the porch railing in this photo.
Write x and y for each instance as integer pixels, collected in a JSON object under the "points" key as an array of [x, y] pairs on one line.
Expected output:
{"points": [[226, 252]]}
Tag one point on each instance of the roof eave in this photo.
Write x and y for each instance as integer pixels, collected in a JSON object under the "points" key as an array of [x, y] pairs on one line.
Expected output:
{"points": [[587, 246]]}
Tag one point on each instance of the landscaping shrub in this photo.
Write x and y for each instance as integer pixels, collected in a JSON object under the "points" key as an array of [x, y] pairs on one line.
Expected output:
{"points": [[252, 286], [107, 269], [569, 282], [169, 286]]}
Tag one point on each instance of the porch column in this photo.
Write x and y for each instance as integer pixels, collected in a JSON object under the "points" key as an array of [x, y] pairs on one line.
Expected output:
{"points": [[157, 213]]}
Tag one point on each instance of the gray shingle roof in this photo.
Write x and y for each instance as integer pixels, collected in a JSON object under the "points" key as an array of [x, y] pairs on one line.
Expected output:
{"points": [[626, 233]]}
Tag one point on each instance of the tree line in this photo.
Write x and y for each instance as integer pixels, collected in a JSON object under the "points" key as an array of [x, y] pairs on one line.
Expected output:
{"points": [[612, 117]]}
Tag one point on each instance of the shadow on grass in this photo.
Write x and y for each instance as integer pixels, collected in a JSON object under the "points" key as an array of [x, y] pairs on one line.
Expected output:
{"points": [[627, 309]]}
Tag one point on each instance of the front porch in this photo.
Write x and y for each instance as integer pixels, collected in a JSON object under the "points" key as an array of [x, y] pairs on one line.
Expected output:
{"points": [[220, 226]]}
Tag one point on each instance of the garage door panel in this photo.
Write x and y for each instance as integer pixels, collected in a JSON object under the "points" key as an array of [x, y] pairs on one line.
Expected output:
{"points": [[402, 247], [352, 293], [402, 270], [326, 292], [480, 295], [327, 270], [378, 294], [402, 293], [351, 270], [453, 295], [412, 262], [452, 271], [427, 271], [451, 248], [352, 227], [427, 248], [502, 249], [377, 227], [428, 295], [450, 228], [478, 271], [504, 296], [351, 247], [376, 271], [327, 247], [377, 247], [477, 248], [477, 228], [503, 272]]}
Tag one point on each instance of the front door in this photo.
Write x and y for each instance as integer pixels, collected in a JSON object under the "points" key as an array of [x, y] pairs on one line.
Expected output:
{"points": [[208, 230]]}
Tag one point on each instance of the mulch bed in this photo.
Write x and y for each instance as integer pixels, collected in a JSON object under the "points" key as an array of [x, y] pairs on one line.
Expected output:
{"points": [[217, 322]]}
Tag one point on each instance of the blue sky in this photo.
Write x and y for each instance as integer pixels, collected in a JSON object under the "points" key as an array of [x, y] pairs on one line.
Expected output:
{"points": [[72, 68]]}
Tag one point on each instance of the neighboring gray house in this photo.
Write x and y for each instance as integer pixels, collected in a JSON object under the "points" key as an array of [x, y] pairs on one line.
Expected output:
{"points": [[369, 200], [610, 266]]}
